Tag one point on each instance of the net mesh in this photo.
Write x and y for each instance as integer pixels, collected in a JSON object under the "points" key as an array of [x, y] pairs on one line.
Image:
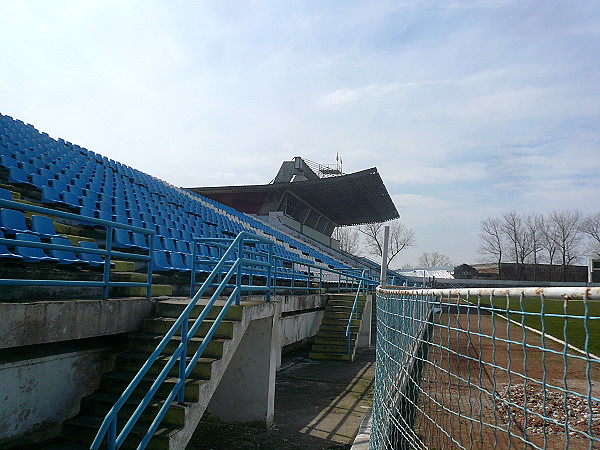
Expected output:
{"points": [[509, 368]]}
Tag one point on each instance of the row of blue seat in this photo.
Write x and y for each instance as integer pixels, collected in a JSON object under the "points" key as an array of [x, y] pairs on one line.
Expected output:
{"points": [[62, 257], [97, 186]]}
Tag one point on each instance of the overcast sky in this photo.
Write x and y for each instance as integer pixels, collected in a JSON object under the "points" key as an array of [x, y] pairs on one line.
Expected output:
{"points": [[467, 108]]}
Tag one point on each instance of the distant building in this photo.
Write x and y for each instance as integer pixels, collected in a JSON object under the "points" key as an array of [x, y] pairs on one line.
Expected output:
{"points": [[531, 272], [464, 271]]}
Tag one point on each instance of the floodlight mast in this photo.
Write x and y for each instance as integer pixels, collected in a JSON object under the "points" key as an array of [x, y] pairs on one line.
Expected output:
{"points": [[384, 256]]}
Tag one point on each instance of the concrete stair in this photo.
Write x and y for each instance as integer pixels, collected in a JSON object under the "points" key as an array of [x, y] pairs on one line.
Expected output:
{"points": [[331, 342], [181, 419], [125, 271]]}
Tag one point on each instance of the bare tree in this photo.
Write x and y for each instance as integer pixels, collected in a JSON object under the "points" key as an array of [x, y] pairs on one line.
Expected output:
{"points": [[519, 242], [534, 224], [492, 240], [433, 259], [400, 237], [548, 232], [567, 236], [349, 238], [591, 227]]}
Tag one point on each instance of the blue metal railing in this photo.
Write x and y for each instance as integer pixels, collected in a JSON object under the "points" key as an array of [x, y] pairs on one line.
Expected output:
{"points": [[235, 267], [300, 276], [108, 252], [354, 311]]}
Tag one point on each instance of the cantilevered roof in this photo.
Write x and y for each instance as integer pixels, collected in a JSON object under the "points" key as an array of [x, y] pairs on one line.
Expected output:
{"points": [[351, 199]]}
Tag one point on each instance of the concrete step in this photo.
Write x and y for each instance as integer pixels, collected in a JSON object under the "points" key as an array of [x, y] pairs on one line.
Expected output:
{"points": [[161, 325], [99, 404], [83, 429], [117, 382], [129, 276], [339, 321], [336, 314], [158, 290], [146, 342], [336, 333], [330, 356], [133, 361], [344, 302], [174, 310], [342, 340], [327, 348], [342, 308], [123, 266]]}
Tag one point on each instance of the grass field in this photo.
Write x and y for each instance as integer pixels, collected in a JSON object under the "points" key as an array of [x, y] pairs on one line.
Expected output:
{"points": [[573, 315]]}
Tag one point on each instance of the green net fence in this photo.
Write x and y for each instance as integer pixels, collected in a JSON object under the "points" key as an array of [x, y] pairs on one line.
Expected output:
{"points": [[504, 368]]}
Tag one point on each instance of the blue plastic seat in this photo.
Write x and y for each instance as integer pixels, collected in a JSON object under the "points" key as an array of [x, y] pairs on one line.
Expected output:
{"points": [[121, 239], [32, 254], [105, 215], [88, 202], [5, 253], [18, 176], [65, 256], [139, 241], [5, 194], [7, 162], [51, 195], [169, 245], [71, 199], [92, 259], [178, 263], [160, 262], [39, 180], [43, 226], [183, 247], [12, 221]]}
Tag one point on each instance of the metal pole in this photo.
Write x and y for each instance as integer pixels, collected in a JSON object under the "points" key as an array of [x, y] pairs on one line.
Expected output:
{"points": [[384, 261]]}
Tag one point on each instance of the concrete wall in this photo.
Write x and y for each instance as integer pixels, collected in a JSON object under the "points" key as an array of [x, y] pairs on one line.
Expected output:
{"points": [[54, 353], [43, 322], [40, 392], [299, 328]]}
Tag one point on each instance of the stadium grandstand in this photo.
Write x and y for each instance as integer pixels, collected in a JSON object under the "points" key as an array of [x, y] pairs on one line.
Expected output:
{"points": [[92, 249]]}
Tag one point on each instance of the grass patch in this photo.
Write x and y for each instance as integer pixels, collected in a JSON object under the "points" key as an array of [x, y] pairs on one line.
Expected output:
{"points": [[554, 318]]}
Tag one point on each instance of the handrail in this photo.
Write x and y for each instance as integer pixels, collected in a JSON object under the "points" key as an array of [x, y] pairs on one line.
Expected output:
{"points": [[354, 312], [293, 274], [108, 253], [109, 424]]}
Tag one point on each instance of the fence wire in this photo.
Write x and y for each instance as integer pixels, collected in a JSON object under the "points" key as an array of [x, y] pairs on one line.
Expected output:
{"points": [[504, 368]]}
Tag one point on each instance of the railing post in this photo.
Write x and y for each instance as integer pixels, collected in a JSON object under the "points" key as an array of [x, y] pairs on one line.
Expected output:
{"points": [[269, 269], [293, 276], [111, 438], [193, 279], [182, 360], [150, 265], [238, 278], [106, 273], [308, 273], [320, 281]]}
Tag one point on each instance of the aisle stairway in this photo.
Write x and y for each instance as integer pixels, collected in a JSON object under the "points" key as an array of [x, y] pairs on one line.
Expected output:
{"points": [[331, 341], [181, 419]]}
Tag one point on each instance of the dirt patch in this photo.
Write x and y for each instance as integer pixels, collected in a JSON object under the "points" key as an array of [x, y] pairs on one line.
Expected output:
{"points": [[473, 388]]}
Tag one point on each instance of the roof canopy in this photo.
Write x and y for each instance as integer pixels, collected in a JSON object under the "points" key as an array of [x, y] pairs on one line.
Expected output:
{"points": [[351, 199]]}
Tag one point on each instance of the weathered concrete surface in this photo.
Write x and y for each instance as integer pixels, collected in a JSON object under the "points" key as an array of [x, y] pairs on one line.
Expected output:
{"points": [[246, 392], [299, 327], [364, 331], [41, 387], [55, 321], [318, 405]]}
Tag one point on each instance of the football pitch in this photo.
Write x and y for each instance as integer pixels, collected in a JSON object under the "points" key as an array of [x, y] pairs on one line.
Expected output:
{"points": [[565, 320]]}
